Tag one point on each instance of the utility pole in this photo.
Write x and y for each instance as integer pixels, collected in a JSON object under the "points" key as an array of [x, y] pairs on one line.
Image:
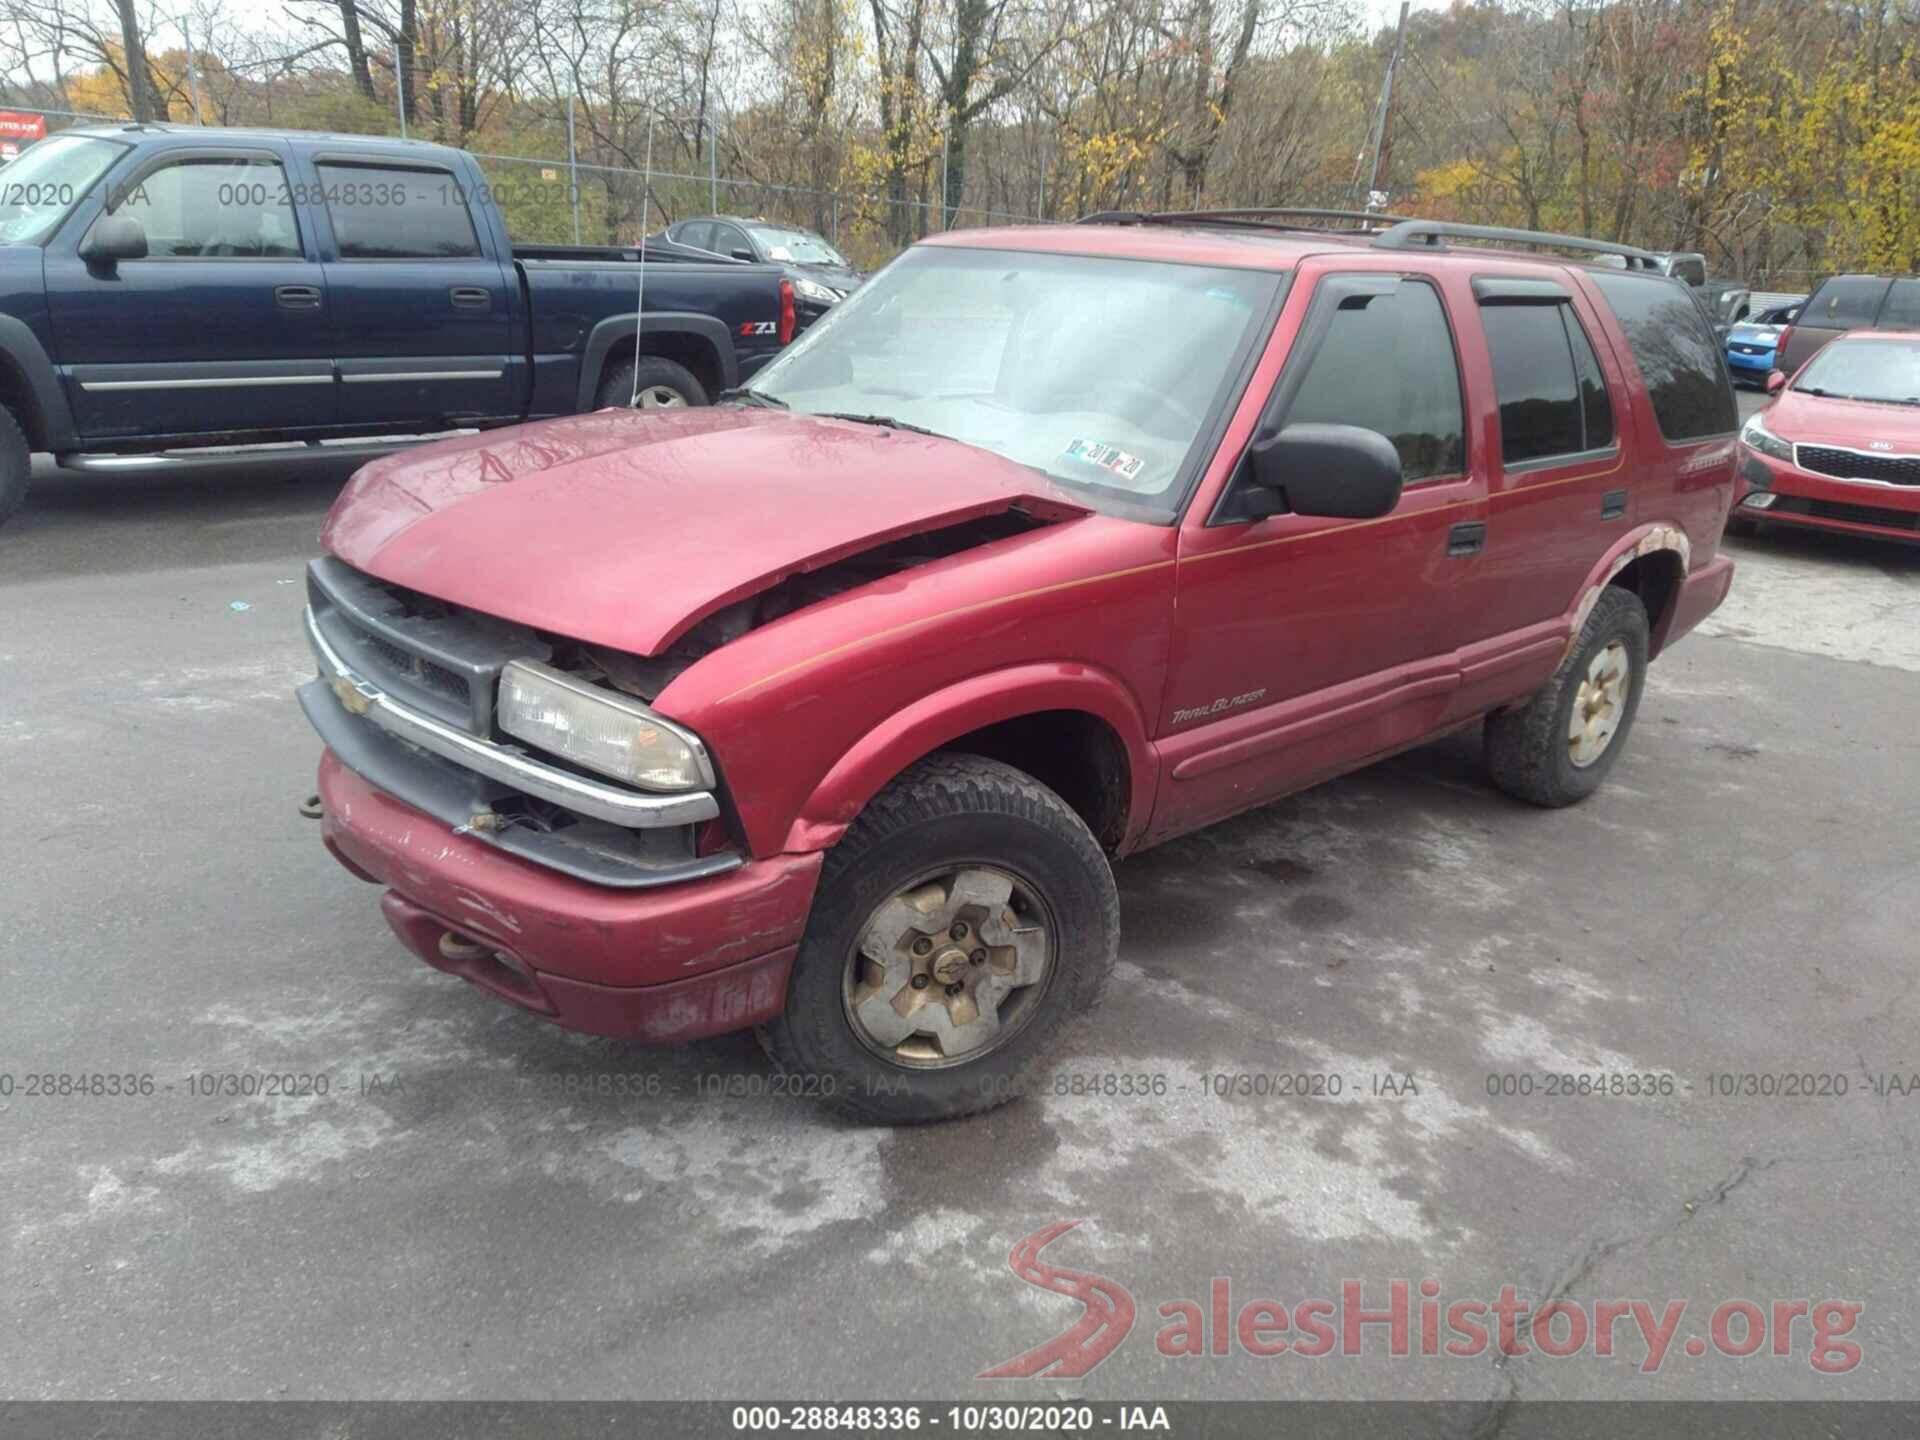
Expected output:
{"points": [[573, 173], [1377, 136], [400, 89], [193, 71]]}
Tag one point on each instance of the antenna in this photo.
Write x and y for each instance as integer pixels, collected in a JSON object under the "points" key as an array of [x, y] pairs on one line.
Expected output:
{"points": [[640, 290]]}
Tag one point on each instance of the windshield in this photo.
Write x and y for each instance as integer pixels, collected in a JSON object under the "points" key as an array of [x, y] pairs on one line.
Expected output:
{"points": [[1887, 371], [1098, 372], [47, 181], [802, 246]]}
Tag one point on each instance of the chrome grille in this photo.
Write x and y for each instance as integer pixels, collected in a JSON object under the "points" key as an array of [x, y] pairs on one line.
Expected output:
{"points": [[439, 658]]}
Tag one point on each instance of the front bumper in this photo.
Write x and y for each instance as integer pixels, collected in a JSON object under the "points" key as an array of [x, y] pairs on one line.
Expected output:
{"points": [[1820, 502], [664, 964]]}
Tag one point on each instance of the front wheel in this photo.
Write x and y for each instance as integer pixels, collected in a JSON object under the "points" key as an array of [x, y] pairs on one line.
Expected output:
{"points": [[962, 920], [1559, 746]]}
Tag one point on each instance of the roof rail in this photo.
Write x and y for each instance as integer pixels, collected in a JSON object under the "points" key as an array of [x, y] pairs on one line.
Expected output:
{"points": [[1246, 216], [1410, 234]]}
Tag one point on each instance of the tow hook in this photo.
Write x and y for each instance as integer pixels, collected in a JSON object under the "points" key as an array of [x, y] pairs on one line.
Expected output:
{"points": [[312, 808]]}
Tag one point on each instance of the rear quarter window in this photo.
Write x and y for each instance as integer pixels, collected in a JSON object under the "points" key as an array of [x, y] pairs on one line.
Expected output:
{"points": [[1902, 310], [1676, 352]]}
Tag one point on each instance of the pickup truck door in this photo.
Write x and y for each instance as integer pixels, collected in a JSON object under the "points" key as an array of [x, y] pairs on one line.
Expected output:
{"points": [[1305, 645], [423, 313], [222, 328]]}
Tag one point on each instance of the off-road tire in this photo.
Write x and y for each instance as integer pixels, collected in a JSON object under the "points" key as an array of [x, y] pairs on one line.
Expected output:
{"points": [[1527, 747], [626, 379], [947, 809], [16, 466]]}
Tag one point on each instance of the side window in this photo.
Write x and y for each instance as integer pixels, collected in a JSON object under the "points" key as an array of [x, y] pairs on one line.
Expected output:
{"points": [[384, 212], [235, 207], [1846, 301], [1677, 354], [1552, 399], [728, 238], [1386, 363], [1902, 310], [697, 233], [1596, 408]]}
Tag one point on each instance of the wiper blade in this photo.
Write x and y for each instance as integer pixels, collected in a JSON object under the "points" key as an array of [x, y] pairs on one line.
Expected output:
{"points": [[747, 395], [887, 421]]}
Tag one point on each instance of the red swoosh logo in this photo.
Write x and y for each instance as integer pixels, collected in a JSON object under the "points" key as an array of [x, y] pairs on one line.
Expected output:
{"points": [[1090, 1339]]}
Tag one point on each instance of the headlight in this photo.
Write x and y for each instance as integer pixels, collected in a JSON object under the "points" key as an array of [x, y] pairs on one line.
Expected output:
{"points": [[816, 292], [1758, 437], [598, 730]]}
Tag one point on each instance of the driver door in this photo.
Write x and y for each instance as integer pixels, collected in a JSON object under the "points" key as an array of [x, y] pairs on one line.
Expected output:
{"points": [[1305, 645], [222, 328]]}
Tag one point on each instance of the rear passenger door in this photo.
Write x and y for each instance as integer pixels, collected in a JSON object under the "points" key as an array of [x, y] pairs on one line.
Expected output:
{"points": [[423, 316], [1559, 494]]}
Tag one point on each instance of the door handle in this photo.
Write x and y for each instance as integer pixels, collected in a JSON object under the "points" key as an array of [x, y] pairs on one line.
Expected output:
{"points": [[1468, 538], [1613, 504], [297, 297], [471, 297]]}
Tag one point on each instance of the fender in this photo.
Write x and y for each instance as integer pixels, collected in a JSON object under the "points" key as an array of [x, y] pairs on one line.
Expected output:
{"points": [[22, 353], [1642, 540], [945, 715], [615, 328]]}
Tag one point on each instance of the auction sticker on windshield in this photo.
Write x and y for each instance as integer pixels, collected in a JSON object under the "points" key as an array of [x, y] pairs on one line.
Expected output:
{"points": [[1107, 457]]}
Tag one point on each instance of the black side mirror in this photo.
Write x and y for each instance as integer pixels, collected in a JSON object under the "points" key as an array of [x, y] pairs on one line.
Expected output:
{"points": [[742, 253], [1339, 471], [114, 238]]}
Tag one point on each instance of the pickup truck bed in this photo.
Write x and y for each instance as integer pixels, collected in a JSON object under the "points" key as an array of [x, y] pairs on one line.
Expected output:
{"points": [[169, 288]]}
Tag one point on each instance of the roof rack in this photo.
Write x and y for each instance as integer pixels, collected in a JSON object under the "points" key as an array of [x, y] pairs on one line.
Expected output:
{"points": [[1249, 216], [1411, 234]]}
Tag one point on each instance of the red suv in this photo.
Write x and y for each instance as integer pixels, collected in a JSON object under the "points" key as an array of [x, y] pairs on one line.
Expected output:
{"points": [[826, 710]]}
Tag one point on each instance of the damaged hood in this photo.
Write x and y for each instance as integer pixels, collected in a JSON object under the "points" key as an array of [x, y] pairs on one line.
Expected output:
{"points": [[627, 528]]}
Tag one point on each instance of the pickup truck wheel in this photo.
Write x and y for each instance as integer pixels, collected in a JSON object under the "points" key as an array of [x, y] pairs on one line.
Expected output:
{"points": [[16, 466], [1559, 746], [654, 384], [960, 922]]}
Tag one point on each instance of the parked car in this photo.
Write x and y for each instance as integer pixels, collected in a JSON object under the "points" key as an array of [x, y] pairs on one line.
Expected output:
{"points": [[826, 710], [1687, 266], [821, 275], [1839, 448], [1752, 344], [164, 288], [1849, 302]]}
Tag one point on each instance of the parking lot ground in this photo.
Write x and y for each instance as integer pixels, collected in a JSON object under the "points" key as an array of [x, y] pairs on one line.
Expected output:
{"points": [[458, 1216]]}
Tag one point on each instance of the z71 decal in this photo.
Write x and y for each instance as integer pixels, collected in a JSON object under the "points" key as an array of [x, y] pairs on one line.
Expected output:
{"points": [[759, 327]]}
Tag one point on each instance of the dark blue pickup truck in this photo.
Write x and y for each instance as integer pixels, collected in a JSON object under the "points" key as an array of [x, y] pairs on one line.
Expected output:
{"points": [[166, 289]]}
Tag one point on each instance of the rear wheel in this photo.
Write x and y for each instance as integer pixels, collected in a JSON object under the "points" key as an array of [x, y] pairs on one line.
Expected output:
{"points": [[16, 466], [655, 383], [1559, 746], [962, 920]]}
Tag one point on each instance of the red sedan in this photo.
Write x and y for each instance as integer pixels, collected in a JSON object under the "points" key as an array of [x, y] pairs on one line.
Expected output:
{"points": [[1839, 449]]}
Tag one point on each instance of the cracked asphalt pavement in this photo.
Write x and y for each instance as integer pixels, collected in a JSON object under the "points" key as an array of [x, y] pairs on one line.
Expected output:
{"points": [[459, 1217]]}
